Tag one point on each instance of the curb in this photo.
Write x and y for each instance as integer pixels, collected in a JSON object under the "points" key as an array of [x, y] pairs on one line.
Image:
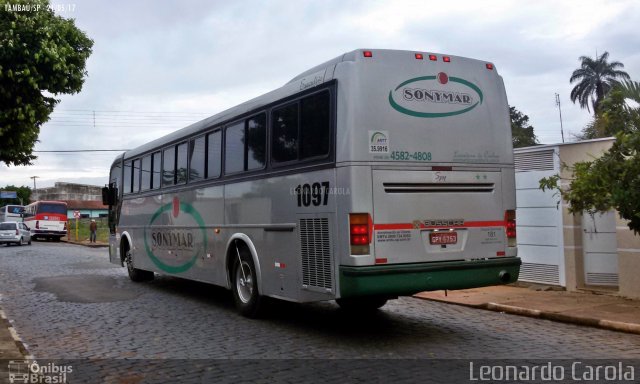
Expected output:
{"points": [[86, 245], [21, 346], [611, 325]]}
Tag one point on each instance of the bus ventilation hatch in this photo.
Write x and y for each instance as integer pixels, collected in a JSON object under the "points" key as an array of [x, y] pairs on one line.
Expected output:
{"points": [[438, 187], [316, 254]]}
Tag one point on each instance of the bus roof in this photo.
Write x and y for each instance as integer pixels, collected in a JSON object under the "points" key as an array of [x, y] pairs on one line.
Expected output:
{"points": [[318, 74]]}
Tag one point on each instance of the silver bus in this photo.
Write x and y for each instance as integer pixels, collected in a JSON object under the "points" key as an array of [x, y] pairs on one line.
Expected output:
{"points": [[376, 174]]}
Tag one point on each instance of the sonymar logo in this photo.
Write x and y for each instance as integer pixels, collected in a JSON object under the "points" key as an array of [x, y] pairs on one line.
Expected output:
{"points": [[175, 248], [435, 96], [30, 372]]}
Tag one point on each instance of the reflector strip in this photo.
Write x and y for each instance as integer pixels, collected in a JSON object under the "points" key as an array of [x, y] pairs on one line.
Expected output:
{"points": [[469, 224], [500, 253], [381, 261]]}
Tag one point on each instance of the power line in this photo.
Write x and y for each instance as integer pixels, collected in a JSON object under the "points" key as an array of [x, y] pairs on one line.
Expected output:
{"points": [[83, 150]]}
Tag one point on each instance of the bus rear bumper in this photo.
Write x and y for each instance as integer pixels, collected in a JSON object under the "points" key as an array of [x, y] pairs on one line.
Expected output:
{"points": [[408, 279]]}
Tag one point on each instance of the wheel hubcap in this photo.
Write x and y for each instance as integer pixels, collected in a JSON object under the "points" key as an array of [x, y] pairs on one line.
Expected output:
{"points": [[244, 282]]}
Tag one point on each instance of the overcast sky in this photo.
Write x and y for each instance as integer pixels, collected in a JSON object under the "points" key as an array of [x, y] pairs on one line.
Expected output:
{"points": [[158, 66]]}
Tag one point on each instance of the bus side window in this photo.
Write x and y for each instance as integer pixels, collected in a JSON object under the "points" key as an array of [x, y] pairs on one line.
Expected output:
{"points": [[169, 166], [181, 163], [234, 148], [136, 175], [214, 155], [156, 165], [315, 125], [128, 173], [197, 159], [145, 176], [284, 134], [256, 145]]}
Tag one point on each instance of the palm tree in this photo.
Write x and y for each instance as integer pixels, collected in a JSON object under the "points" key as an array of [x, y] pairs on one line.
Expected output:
{"points": [[596, 78]]}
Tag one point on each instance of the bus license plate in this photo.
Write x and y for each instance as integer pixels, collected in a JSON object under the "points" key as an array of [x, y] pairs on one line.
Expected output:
{"points": [[437, 238]]}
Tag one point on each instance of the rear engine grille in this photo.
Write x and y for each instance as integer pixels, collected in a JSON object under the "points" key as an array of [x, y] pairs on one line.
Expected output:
{"points": [[316, 253], [438, 187]]}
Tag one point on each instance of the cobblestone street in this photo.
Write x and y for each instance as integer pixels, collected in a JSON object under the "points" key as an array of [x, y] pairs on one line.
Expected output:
{"points": [[68, 302]]}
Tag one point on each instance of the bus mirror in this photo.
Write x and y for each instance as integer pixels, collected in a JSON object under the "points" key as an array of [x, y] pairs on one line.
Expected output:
{"points": [[108, 197], [105, 196]]}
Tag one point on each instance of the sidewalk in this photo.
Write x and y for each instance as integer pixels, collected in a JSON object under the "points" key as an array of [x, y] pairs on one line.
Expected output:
{"points": [[582, 308]]}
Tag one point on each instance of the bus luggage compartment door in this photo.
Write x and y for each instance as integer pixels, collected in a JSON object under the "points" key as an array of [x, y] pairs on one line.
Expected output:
{"points": [[422, 216]]}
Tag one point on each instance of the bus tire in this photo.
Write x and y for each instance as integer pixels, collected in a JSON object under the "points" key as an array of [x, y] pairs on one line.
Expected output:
{"points": [[135, 274], [244, 284], [362, 304]]}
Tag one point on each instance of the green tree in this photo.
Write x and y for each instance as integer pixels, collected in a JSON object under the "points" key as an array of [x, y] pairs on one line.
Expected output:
{"points": [[521, 132], [614, 116], [24, 195], [630, 90], [41, 55], [595, 79]]}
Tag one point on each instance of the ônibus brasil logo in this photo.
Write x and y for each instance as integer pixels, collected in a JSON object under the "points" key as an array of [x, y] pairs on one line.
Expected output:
{"points": [[175, 248], [435, 96]]}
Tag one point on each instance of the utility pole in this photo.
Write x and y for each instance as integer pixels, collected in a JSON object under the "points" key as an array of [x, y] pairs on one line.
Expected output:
{"points": [[560, 110], [34, 182]]}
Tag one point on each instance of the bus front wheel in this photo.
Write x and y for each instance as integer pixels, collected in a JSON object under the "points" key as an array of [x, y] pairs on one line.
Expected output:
{"points": [[135, 274], [245, 285]]}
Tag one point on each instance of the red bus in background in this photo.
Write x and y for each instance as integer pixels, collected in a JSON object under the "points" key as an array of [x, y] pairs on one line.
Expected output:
{"points": [[46, 219]]}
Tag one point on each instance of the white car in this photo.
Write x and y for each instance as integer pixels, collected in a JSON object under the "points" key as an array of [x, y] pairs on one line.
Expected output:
{"points": [[16, 233]]}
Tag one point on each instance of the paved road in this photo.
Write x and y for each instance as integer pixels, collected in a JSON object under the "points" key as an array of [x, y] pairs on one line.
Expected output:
{"points": [[68, 302]]}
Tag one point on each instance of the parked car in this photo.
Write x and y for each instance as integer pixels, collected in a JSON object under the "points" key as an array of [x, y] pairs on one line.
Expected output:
{"points": [[16, 233]]}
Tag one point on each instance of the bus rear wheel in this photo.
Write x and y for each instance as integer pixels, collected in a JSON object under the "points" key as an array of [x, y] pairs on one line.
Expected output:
{"points": [[245, 285], [359, 304], [135, 274]]}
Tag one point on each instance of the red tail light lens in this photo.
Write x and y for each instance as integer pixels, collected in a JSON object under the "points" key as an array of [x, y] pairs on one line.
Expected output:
{"points": [[489, 66], [17, 232], [419, 56], [65, 225], [360, 228], [446, 59], [433, 57], [510, 226], [37, 224], [367, 54]]}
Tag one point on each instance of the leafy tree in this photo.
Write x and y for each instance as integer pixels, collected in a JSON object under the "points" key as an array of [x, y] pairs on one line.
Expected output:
{"points": [[595, 80], [24, 195], [41, 55], [630, 90], [614, 116], [521, 132]]}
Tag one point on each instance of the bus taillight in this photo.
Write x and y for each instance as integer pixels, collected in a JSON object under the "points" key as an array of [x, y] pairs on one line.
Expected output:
{"points": [[360, 233], [37, 224], [510, 220]]}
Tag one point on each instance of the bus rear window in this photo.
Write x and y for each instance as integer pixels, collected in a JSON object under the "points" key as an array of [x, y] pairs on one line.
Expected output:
{"points": [[60, 209]]}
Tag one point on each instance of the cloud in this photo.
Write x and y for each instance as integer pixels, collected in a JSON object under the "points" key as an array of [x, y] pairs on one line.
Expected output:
{"points": [[201, 57]]}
